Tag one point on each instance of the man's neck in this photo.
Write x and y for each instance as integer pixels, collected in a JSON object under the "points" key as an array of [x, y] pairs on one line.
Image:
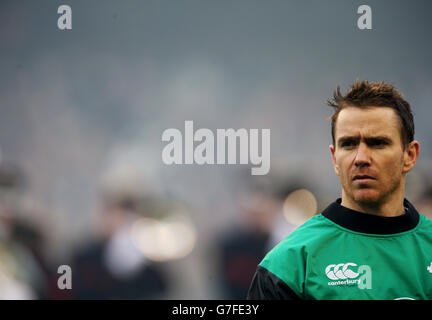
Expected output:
{"points": [[391, 208]]}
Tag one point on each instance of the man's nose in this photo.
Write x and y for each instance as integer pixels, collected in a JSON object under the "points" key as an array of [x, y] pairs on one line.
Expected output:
{"points": [[363, 156]]}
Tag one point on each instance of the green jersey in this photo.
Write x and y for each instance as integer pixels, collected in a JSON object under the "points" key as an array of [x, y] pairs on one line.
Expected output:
{"points": [[345, 254]]}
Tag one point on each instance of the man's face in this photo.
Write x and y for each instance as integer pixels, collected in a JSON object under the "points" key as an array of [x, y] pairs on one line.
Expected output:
{"points": [[368, 155]]}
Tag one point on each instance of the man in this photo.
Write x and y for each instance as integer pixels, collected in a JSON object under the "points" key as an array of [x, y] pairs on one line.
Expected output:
{"points": [[372, 243]]}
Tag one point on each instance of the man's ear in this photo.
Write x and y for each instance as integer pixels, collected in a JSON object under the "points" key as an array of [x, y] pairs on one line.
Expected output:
{"points": [[411, 154], [335, 166]]}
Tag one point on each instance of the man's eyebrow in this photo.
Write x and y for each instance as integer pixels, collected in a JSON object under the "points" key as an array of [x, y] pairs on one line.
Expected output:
{"points": [[367, 139], [379, 138], [348, 138]]}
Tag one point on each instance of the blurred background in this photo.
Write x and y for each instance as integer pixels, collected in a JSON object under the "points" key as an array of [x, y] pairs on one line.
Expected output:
{"points": [[82, 112]]}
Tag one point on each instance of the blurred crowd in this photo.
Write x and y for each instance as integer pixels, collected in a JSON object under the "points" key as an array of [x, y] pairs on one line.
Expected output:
{"points": [[73, 100], [141, 238]]}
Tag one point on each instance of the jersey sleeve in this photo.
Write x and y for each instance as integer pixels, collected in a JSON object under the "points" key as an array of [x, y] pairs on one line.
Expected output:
{"points": [[267, 286], [281, 274]]}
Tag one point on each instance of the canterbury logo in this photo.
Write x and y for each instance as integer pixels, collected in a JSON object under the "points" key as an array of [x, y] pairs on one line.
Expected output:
{"points": [[341, 271]]}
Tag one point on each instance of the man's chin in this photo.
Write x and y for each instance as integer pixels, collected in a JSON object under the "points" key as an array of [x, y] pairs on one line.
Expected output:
{"points": [[367, 197]]}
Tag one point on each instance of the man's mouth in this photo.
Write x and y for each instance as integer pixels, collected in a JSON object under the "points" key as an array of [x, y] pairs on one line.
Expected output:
{"points": [[363, 178]]}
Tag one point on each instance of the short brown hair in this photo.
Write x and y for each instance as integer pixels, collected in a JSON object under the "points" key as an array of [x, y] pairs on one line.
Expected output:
{"points": [[374, 94]]}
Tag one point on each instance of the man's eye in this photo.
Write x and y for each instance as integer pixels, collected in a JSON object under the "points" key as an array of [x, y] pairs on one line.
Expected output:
{"points": [[378, 143], [347, 144]]}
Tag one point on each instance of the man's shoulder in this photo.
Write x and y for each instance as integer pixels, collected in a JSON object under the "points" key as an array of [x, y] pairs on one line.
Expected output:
{"points": [[313, 230], [302, 240], [425, 225], [287, 260]]}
